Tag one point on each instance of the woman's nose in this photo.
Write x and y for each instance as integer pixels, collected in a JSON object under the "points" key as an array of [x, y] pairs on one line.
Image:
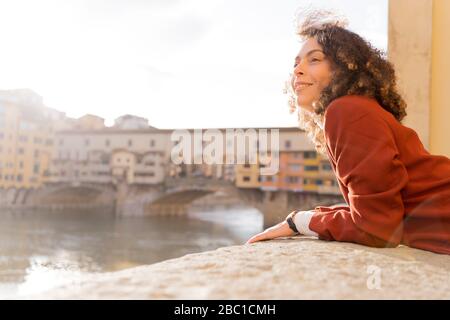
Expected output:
{"points": [[298, 70]]}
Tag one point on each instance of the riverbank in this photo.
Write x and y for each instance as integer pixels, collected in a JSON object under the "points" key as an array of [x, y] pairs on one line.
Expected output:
{"points": [[287, 268]]}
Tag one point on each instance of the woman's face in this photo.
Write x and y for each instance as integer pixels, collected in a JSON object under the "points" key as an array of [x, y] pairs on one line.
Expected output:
{"points": [[312, 73]]}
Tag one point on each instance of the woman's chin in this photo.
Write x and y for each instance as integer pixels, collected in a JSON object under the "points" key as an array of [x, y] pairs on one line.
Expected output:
{"points": [[303, 105]]}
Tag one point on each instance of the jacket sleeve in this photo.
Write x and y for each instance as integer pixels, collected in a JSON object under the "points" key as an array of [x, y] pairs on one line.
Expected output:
{"points": [[367, 164]]}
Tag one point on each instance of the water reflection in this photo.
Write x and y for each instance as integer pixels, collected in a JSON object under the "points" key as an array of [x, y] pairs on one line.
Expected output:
{"points": [[41, 250]]}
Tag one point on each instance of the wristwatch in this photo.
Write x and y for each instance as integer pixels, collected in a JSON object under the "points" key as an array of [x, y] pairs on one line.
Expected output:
{"points": [[290, 221]]}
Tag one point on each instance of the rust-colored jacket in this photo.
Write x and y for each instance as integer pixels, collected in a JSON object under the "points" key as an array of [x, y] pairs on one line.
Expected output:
{"points": [[396, 191]]}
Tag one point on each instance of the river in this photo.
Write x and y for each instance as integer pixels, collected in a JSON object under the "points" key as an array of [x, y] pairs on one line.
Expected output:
{"points": [[39, 251]]}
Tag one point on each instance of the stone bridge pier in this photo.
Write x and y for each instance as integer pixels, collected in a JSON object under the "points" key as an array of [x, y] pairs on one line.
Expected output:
{"points": [[276, 205]]}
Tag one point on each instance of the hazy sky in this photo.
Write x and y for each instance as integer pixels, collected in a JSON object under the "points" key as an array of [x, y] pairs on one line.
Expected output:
{"points": [[179, 63]]}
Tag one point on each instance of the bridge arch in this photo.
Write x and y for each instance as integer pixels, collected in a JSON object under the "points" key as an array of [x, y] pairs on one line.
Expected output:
{"points": [[67, 195]]}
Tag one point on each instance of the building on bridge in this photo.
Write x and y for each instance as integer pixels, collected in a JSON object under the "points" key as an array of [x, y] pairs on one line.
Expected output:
{"points": [[110, 155], [301, 168], [143, 156]]}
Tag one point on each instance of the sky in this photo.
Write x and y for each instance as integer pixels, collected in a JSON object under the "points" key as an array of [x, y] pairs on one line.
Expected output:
{"points": [[179, 63]]}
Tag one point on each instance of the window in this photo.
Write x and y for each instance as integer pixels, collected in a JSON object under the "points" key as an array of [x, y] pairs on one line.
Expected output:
{"points": [[152, 143], [287, 144], [291, 179], [145, 174], [246, 179], [326, 167], [294, 167], [107, 143], [311, 168], [310, 155], [105, 159], [130, 143], [36, 168]]}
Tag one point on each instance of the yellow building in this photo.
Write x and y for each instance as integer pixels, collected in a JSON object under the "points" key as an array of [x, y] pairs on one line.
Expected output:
{"points": [[311, 162], [247, 176], [26, 139]]}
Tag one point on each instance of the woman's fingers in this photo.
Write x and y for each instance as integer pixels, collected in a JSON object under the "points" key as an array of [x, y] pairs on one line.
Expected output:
{"points": [[280, 230], [257, 237]]}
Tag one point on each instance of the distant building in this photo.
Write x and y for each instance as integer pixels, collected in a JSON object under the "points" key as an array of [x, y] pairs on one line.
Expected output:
{"points": [[136, 168], [26, 139], [110, 155], [59, 119], [301, 168], [39, 145], [89, 122], [131, 122]]}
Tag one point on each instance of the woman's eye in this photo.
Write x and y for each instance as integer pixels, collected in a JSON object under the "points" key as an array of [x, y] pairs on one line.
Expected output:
{"points": [[314, 59]]}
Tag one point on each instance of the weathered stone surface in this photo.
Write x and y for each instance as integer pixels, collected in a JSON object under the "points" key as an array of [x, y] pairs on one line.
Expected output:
{"points": [[286, 268]]}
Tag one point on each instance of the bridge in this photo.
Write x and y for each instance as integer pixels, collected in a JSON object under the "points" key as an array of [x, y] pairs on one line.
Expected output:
{"points": [[173, 197]]}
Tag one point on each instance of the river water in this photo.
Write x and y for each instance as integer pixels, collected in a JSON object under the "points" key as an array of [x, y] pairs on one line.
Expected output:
{"points": [[41, 251]]}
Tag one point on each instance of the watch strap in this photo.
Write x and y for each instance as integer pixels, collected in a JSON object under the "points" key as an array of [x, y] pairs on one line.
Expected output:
{"points": [[291, 224]]}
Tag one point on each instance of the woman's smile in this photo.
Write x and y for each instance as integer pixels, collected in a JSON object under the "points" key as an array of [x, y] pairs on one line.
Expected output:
{"points": [[302, 85]]}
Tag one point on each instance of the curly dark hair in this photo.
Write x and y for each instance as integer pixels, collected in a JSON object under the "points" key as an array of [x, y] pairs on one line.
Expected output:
{"points": [[358, 69]]}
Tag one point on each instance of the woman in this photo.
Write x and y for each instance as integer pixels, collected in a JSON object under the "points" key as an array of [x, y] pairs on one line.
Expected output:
{"points": [[396, 191]]}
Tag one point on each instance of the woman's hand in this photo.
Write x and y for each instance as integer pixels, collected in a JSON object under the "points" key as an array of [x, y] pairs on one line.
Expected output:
{"points": [[279, 230]]}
